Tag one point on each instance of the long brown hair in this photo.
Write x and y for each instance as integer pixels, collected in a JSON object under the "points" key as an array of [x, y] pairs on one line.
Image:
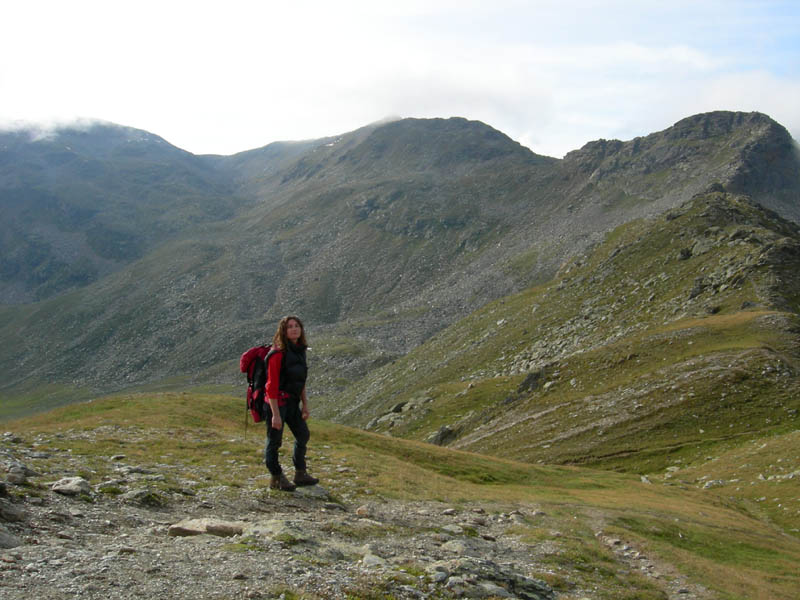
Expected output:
{"points": [[280, 340]]}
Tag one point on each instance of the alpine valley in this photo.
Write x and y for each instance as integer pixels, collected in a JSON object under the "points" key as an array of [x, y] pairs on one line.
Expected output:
{"points": [[630, 309]]}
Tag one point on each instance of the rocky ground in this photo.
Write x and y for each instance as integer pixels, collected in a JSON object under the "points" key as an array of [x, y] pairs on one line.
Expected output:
{"points": [[132, 536]]}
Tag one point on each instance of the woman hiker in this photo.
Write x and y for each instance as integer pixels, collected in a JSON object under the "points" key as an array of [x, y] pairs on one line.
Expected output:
{"points": [[287, 403]]}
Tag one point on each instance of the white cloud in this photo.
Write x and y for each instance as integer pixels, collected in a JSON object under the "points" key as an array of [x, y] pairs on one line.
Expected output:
{"points": [[214, 77]]}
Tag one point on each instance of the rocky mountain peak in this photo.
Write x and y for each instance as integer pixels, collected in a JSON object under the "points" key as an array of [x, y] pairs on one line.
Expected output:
{"points": [[427, 147], [443, 142], [702, 127], [719, 123], [747, 153]]}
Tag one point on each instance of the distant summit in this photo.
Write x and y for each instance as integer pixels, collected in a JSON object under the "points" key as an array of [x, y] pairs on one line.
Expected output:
{"points": [[746, 152], [80, 202]]}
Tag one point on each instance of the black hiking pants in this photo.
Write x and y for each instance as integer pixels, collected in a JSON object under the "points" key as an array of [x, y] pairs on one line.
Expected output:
{"points": [[292, 416]]}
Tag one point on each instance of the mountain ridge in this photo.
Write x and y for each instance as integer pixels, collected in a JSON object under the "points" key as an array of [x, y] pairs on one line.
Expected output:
{"points": [[605, 346], [377, 262]]}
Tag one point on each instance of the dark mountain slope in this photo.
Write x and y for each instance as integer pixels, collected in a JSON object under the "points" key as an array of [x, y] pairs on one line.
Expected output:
{"points": [[191, 304], [489, 215], [79, 204], [380, 215]]}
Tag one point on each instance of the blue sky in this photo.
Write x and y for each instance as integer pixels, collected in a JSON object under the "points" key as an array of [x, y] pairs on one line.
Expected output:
{"points": [[222, 77]]}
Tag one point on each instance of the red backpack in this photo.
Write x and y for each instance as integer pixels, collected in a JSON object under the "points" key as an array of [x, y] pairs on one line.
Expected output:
{"points": [[253, 364]]}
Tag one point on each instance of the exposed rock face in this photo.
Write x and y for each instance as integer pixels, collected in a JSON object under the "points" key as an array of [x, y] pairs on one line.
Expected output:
{"points": [[443, 436]]}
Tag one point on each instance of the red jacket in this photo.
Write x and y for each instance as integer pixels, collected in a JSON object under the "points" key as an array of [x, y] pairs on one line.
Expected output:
{"points": [[274, 378]]}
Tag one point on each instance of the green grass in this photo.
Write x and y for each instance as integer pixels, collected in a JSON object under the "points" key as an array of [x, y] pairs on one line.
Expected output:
{"points": [[732, 560], [39, 397]]}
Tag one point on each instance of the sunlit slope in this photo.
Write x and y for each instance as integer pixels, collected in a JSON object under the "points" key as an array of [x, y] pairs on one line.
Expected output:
{"points": [[676, 337]]}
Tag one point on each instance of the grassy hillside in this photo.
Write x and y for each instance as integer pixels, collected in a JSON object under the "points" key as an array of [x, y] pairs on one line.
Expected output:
{"points": [[581, 514], [672, 344]]}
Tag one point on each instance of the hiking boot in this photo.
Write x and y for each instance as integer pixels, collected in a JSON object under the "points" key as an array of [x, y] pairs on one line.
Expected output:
{"points": [[303, 478], [281, 483]]}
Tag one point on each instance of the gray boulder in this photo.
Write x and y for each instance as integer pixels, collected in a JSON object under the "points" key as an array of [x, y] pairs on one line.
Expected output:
{"points": [[72, 486], [8, 540]]}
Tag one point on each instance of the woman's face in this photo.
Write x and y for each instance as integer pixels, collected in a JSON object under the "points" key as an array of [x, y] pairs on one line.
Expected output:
{"points": [[293, 330]]}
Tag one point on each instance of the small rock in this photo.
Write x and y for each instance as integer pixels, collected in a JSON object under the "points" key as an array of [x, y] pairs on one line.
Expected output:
{"points": [[455, 546], [455, 583], [11, 512], [370, 560], [453, 529], [713, 483], [72, 486], [313, 491], [143, 497], [494, 590], [439, 576], [189, 527], [8, 540], [17, 478]]}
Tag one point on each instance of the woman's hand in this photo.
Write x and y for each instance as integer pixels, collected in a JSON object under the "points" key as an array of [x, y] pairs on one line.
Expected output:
{"points": [[276, 421], [304, 412]]}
